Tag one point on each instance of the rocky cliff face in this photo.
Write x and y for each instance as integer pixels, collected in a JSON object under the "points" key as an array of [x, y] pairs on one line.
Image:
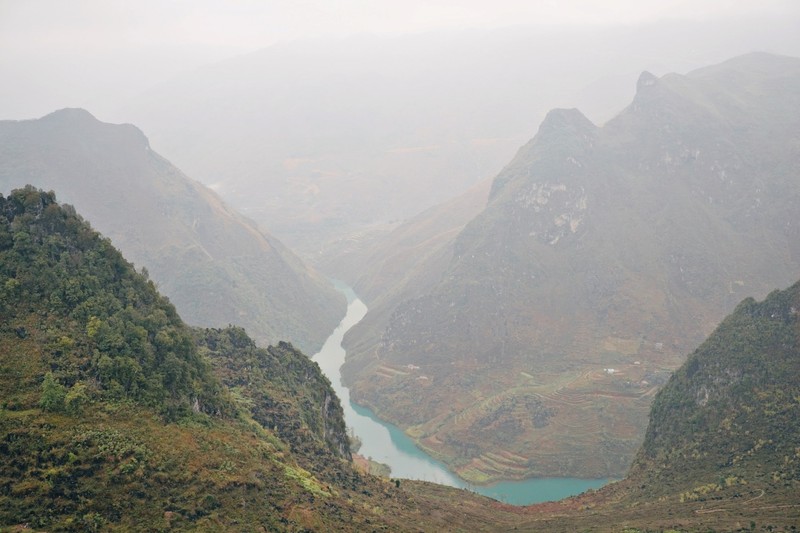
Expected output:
{"points": [[603, 255]]}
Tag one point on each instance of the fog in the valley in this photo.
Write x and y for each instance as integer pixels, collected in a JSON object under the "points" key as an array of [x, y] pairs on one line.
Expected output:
{"points": [[322, 120]]}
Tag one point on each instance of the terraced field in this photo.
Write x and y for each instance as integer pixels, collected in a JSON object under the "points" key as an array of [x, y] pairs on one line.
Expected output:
{"points": [[530, 420], [554, 416]]}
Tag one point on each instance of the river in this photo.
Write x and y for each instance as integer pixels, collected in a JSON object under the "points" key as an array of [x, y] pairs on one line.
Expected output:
{"points": [[386, 443]]}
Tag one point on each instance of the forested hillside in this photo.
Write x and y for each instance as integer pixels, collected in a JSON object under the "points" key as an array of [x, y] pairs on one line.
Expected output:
{"points": [[116, 416]]}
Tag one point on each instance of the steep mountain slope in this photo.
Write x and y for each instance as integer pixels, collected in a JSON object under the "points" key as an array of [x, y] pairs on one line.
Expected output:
{"points": [[406, 262], [299, 406], [216, 267], [603, 255], [732, 408], [115, 416], [721, 450]]}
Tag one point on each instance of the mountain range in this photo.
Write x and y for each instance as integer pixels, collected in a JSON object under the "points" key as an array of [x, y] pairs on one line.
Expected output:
{"points": [[297, 135], [216, 266], [116, 416], [533, 342]]}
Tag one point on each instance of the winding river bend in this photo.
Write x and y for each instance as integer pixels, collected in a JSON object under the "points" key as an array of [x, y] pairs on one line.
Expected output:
{"points": [[388, 444]]}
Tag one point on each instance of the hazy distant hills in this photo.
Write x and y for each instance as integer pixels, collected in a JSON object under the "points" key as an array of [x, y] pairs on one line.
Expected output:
{"points": [[414, 243], [604, 254], [322, 138], [404, 263], [217, 267]]}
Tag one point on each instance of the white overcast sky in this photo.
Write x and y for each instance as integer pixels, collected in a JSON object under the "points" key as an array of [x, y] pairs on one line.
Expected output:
{"points": [[71, 52], [251, 24]]}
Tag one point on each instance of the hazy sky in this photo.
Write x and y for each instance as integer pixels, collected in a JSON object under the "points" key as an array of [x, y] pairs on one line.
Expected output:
{"points": [[250, 24], [55, 53]]}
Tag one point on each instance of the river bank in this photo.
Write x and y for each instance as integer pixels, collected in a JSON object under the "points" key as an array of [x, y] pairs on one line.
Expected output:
{"points": [[388, 444]]}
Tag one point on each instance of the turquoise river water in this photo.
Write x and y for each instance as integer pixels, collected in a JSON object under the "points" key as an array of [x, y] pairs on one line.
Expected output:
{"points": [[388, 444]]}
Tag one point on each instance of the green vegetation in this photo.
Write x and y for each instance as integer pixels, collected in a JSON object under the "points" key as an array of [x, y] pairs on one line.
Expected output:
{"points": [[53, 394], [729, 414], [285, 391], [106, 331], [115, 416]]}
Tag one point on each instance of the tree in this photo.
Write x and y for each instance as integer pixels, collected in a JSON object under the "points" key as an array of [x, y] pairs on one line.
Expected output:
{"points": [[53, 394], [76, 398]]}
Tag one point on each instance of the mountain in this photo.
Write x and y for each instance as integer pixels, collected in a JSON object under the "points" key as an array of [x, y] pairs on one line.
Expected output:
{"points": [[720, 451], [602, 256], [319, 139], [116, 416], [216, 266], [730, 411]]}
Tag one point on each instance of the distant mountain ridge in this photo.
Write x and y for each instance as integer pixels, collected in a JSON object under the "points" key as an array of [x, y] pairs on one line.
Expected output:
{"points": [[216, 266], [603, 255], [296, 134]]}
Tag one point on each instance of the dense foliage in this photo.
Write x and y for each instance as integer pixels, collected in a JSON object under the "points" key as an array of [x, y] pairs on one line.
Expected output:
{"points": [[106, 330], [112, 417], [284, 391]]}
